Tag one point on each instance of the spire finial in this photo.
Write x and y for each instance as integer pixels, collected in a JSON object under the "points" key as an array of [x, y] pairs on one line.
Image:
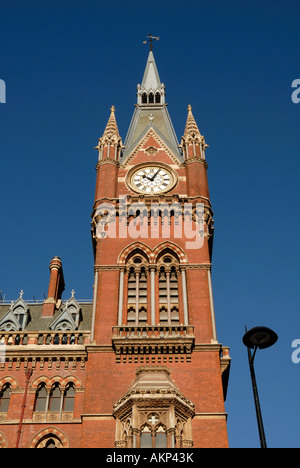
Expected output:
{"points": [[113, 109], [150, 40], [191, 128]]}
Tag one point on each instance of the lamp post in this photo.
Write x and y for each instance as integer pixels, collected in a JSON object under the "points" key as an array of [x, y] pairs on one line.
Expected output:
{"points": [[258, 338]]}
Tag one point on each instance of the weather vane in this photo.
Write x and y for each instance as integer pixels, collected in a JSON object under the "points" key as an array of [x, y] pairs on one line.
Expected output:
{"points": [[150, 40]]}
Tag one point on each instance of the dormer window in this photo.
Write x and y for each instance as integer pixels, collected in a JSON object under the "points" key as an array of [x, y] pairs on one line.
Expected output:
{"points": [[69, 317], [17, 317]]}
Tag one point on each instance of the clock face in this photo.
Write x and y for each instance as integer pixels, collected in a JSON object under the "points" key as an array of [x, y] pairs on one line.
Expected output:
{"points": [[152, 180]]}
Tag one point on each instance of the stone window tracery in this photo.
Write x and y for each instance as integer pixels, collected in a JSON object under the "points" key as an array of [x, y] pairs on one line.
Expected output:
{"points": [[137, 290], [153, 413], [153, 291], [168, 267], [54, 403]]}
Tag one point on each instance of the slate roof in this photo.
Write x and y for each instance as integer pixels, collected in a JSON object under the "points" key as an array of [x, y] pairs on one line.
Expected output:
{"points": [[39, 323]]}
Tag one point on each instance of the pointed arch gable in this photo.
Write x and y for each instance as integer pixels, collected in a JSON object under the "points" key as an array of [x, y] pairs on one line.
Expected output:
{"points": [[152, 255], [47, 433], [63, 382], [160, 248], [145, 250], [10, 380], [74, 380], [159, 141], [42, 379]]}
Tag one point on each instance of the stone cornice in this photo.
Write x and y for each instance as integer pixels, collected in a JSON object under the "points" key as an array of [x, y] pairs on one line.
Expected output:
{"points": [[190, 266], [196, 159], [107, 161]]}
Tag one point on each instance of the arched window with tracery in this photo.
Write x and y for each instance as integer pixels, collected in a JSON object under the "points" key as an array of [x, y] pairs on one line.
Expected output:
{"points": [[137, 290], [168, 269], [55, 403], [164, 421], [153, 293], [153, 434]]}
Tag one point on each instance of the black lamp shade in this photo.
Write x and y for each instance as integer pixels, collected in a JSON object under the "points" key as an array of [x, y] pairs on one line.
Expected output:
{"points": [[260, 337]]}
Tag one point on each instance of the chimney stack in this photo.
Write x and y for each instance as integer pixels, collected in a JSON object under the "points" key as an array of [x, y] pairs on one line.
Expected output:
{"points": [[56, 287]]}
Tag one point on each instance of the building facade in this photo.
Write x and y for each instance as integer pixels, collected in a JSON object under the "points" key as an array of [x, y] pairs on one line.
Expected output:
{"points": [[140, 365]]}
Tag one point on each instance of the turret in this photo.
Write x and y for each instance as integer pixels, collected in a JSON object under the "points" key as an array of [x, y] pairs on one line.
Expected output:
{"points": [[193, 147], [109, 149]]}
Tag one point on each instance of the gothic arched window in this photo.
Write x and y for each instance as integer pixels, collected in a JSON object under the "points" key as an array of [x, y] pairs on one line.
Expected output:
{"points": [[152, 291], [50, 441], [144, 98], [168, 290], [55, 398], [137, 290], [157, 98], [151, 98], [4, 398], [40, 399], [69, 398], [146, 438], [164, 421]]}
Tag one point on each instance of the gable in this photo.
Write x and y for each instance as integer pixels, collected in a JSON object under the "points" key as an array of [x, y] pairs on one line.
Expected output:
{"points": [[16, 318], [146, 119], [9, 322], [151, 147], [69, 317], [63, 322]]}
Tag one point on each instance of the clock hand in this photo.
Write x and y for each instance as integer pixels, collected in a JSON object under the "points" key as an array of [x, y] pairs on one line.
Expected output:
{"points": [[152, 178]]}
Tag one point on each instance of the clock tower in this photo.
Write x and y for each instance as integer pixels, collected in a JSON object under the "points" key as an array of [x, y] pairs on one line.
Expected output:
{"points": [[156, 373]]}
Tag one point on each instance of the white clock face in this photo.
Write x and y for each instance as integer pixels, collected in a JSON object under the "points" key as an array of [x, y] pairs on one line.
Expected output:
{"points": [[152, 180]]}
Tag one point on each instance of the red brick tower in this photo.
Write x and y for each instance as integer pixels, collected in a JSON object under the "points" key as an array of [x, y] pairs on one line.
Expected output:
{"points": [[156, 375]]}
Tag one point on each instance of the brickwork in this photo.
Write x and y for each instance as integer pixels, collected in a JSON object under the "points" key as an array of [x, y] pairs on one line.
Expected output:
{"points": [[100, 361]]}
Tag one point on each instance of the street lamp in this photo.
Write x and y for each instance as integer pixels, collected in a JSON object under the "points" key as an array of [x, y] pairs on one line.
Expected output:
{"points": [[258, 338]]}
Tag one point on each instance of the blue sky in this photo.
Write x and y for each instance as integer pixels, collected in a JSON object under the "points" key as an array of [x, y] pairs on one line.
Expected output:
{"points": [[65, 63]]}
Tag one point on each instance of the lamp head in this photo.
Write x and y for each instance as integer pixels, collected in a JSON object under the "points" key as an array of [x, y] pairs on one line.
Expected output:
{"points": [[260, 337]]}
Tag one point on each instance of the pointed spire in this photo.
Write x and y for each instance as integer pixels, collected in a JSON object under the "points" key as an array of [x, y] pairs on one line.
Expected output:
{"points": [[151, 91], [151, 80], [191, 128], [192, 142], [111, 137], [111, 129]]}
